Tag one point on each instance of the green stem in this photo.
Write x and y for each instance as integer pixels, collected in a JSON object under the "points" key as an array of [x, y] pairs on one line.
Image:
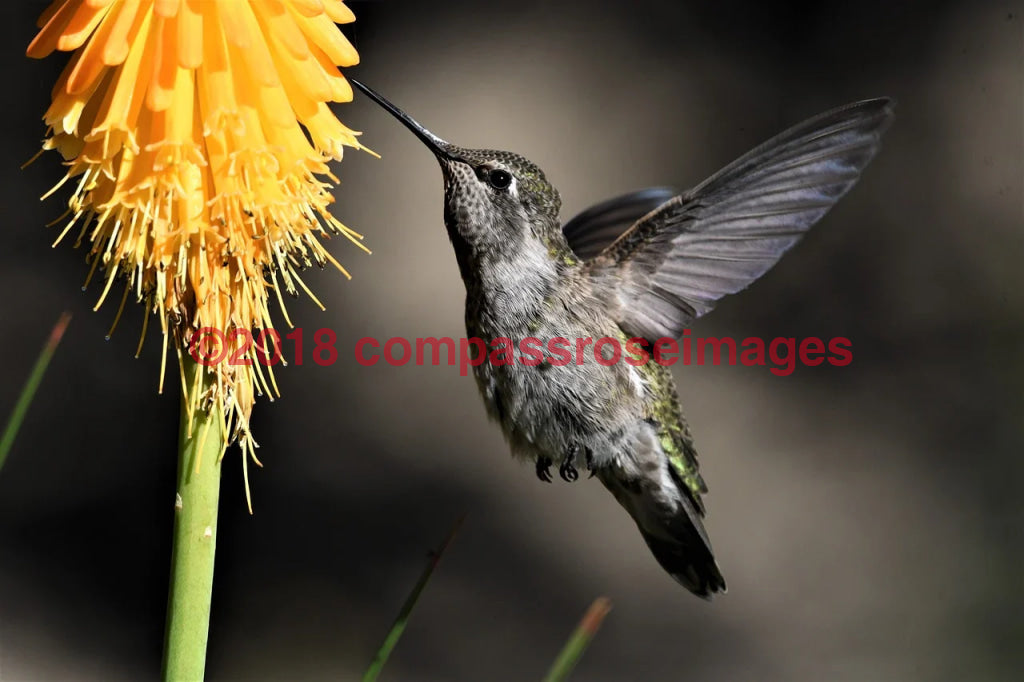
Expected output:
{"points": [[29, 391], [195, 536], [373, 672], [578, 641]]}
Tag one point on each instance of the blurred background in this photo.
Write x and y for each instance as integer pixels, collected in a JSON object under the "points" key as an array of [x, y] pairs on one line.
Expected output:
{"points": [[868, 519]]}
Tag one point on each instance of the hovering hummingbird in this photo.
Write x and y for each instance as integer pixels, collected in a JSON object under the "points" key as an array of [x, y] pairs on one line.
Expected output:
{"points": [[527, 275]]}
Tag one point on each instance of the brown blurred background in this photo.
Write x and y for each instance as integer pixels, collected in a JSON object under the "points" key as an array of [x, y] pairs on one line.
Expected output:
{"points": [[868, 519]]}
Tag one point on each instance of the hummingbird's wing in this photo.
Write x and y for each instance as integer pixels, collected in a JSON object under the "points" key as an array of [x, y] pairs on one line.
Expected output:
{"points": [[592, 230], [674, 264]]}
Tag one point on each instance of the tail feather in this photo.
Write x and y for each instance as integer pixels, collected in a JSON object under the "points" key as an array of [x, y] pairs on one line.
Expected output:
{"points": [[692, 566], [671, 527]]}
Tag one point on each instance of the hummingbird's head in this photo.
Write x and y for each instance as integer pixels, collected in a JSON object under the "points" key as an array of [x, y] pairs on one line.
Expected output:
{"points": [[495, 201]]}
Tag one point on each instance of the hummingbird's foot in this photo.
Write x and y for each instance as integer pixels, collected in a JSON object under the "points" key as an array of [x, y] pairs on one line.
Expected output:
{"points": [[590, 463], [568, 469], [568, 472], [544, 469]]}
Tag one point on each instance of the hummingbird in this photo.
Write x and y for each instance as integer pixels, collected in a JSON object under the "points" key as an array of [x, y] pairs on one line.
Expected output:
{"points": [[643, 267]]}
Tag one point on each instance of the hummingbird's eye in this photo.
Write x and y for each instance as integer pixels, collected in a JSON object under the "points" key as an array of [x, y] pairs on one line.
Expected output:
{"points": [[499, 179]]}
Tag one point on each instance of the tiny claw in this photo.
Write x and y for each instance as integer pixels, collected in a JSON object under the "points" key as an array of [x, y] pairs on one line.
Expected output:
{"points": [[544, 469], [568, 472], [568, 469], [590, 463]]}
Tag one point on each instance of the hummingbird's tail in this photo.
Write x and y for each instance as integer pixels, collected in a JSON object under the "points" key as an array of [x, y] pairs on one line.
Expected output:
{"points": [[670, 524]]}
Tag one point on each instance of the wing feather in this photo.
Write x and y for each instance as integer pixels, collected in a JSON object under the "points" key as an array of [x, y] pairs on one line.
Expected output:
{"points": [[677, 261], [595, 228]]}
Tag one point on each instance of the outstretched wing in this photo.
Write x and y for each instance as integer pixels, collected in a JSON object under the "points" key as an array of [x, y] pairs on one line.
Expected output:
{"points": [[674, 264], [590, 232]]}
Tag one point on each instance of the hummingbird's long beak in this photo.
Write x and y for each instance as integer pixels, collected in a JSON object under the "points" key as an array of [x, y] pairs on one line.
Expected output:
{"points": [[440, 148]]}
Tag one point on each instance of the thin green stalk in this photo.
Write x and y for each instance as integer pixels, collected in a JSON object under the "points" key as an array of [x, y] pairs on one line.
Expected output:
{"points": [[398, 627], [577, 644], [29, 391], [195, 534]]}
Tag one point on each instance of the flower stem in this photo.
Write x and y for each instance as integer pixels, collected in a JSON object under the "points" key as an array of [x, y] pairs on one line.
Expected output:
{"points": [[201, 442]]}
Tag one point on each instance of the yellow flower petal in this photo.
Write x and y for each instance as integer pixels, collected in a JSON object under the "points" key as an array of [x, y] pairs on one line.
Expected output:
{"points": [[196, 132]]}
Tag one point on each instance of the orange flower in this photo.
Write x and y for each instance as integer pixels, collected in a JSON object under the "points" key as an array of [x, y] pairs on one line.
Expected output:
{"points": [[197, 133]]}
